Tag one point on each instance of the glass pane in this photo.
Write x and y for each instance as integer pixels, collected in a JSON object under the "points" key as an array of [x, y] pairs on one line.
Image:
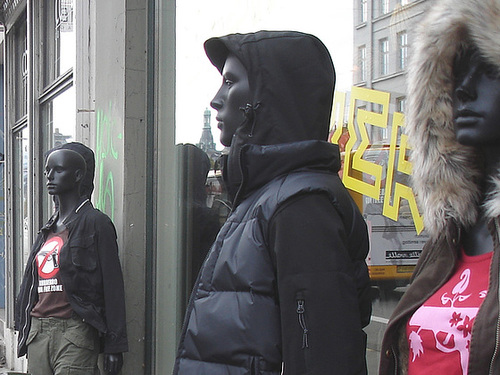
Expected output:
{"points": [[21, 240], [58, 119], [20, 68], [370, 55], [59, 51]]}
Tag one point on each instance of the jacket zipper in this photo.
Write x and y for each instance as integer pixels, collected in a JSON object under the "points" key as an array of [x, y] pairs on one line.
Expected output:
{"points": [[302, 322], [497, 333]]}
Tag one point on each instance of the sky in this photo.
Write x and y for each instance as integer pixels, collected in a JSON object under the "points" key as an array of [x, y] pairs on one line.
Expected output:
{"points": [[198, 20]]}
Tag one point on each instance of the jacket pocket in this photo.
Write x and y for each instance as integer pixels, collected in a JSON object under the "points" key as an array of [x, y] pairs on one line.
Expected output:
{"points": [[83, 253]]}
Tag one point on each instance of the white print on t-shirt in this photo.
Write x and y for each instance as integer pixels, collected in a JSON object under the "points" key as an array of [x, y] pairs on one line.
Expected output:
{"points": [[458, 320], [49, 285], [48, 258]]}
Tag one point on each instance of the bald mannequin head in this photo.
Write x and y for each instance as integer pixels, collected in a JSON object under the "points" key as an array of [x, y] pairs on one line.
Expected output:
{"points": [[64, 170]]}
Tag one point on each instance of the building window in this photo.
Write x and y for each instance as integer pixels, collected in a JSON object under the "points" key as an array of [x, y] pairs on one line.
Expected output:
{"points": [[384, 7], [401, 104], [362, 63], [384, 56], [402, 50], [363, 15]]}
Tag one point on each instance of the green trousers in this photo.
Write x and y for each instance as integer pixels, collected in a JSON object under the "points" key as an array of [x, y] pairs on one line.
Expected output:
{"points": [[62, 346]]}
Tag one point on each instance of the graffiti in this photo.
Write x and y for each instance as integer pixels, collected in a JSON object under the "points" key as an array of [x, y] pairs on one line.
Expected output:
{"points": [[380, 183], [108, 132]]}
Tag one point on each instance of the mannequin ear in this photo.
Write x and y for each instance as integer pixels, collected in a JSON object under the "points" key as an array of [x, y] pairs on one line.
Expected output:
{"points": [[79, 175]]}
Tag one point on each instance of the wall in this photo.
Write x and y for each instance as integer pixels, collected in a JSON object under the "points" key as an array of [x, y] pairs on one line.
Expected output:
{"points": [[119, 137]]}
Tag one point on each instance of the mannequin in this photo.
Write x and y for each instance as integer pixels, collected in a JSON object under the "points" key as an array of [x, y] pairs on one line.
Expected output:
{"points": [[76, 305], [266, 300], [444, 323], [476, 113]]}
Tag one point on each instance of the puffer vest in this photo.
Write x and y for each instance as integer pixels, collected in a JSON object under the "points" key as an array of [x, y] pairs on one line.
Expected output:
{"points": [[232, 325]]}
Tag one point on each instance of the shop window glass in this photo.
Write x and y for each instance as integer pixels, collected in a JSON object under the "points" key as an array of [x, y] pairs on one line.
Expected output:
{"points": [[58, 25], [20, 69], [21, 238], [57, 119], [361, 55]]}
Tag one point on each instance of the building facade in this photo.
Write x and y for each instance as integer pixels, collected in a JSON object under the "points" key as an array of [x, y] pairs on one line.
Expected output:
{"points": [[383, 34]]}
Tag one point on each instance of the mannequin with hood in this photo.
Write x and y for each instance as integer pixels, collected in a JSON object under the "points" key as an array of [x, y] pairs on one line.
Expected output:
{"points": [[72, 299], [448, 320], [285, 285]]}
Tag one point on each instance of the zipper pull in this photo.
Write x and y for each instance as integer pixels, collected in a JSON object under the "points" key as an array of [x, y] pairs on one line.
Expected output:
{"points": [[302, 321]]}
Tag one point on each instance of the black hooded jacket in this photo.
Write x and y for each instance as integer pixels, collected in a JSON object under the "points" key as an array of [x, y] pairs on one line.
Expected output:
{"points": [[285, 283]]}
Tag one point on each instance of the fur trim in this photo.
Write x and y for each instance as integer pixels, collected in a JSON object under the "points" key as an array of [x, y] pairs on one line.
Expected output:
{"points": [[445, 173]]}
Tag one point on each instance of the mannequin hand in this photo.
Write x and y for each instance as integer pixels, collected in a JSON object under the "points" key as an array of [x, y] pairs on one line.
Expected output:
{"points": [[113, 363]]}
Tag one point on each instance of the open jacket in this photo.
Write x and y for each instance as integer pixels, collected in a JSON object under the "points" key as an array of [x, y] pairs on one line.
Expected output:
{"points": [[91, 275], [446, 174], [285, 284]]}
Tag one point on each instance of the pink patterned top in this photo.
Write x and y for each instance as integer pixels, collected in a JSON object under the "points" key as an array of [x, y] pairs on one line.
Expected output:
{"points": [[439, 332]]}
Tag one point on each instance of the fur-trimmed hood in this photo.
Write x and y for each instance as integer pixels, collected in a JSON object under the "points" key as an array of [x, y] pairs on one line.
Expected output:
{"points": [[446, 174]]}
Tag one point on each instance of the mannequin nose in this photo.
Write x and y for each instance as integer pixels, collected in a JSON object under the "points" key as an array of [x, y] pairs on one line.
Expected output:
{"points": [[466, 90], [216, 102]]}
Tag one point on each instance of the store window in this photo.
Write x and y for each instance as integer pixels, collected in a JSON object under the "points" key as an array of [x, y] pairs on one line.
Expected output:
{"points": [[402, 50], [19, 46], [58, 37], [41, 116], [57, 103], [21, 239], [384, 56], [368, 111], [17, 120]]}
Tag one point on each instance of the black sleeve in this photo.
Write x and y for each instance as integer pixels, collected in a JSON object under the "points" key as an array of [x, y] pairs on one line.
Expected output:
{"points": [[115, 340], [317, 286]]}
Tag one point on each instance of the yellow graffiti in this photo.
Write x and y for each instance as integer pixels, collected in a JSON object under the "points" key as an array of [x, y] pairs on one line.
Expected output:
{"points": [[362, 118], [356, 168], [403, 166], [338, 111]]}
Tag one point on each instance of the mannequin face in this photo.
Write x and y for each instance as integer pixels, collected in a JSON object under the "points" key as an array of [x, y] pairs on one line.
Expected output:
{"points": [[476, 102], [233, 94], [63, 174]]}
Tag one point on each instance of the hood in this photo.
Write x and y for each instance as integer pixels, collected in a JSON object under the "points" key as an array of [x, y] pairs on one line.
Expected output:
{"points": [[292, 79], [446, 175]]}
